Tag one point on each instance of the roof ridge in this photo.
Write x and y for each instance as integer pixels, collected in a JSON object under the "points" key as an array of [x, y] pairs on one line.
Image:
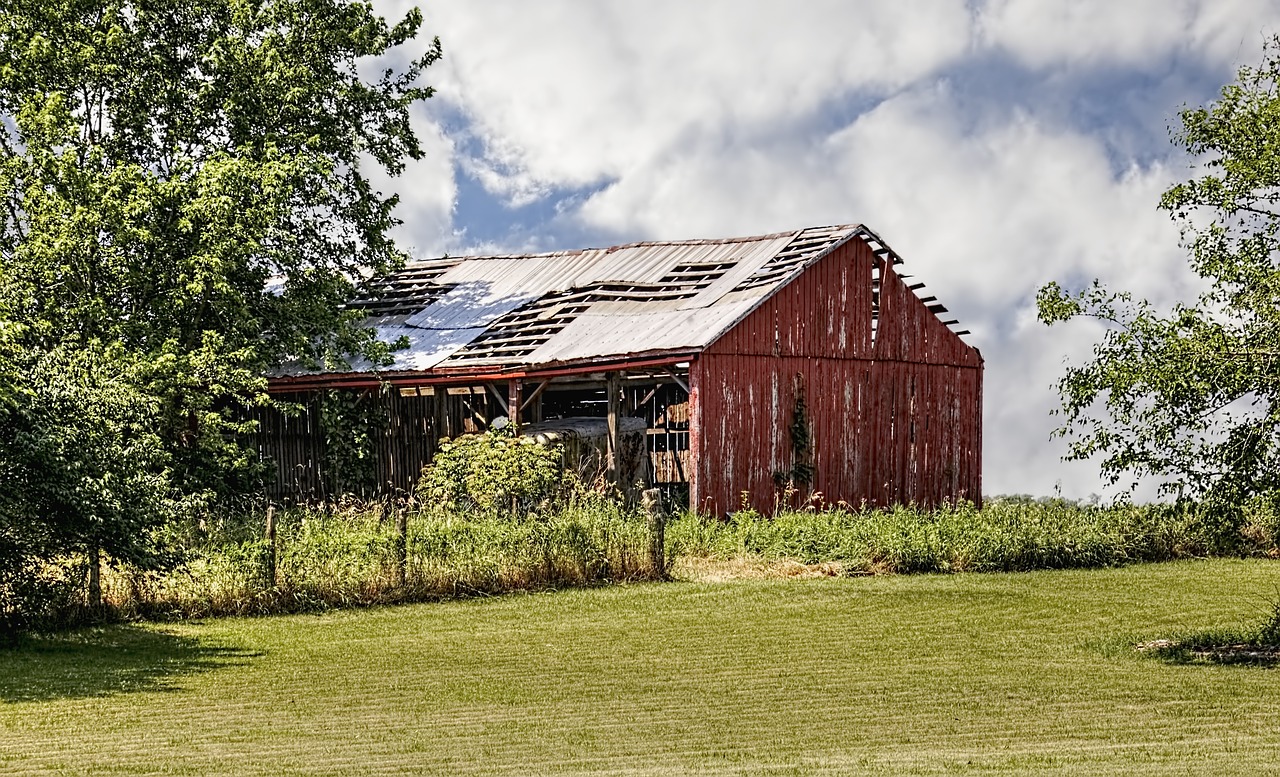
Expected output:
{"points": [[641, 244]]}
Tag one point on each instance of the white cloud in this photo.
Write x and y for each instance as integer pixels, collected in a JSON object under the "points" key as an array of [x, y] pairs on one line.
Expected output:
{"points": [[427, 190], [1097, 33], [573, 94], [985, 145]]}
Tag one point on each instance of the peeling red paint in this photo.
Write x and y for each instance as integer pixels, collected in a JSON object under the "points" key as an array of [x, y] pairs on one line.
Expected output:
{"points": [[894, 421]]}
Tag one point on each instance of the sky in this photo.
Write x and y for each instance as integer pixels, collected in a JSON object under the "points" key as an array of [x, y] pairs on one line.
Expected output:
{"points": [[996, 145]]}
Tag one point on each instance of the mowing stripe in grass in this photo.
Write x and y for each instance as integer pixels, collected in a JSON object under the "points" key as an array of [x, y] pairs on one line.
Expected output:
{"points": [[917, 675]]}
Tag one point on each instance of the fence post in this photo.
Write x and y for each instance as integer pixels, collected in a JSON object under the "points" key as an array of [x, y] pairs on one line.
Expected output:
{"points": [[95, 578], [613, 440], [402, 546], [652, 500], [269, 557]]}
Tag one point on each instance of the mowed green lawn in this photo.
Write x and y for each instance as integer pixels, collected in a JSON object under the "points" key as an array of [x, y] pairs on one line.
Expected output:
{"points": [[894, 675]]}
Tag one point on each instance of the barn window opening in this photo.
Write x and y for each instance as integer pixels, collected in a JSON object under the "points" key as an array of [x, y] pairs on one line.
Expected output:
{"points": [[876, 268]]}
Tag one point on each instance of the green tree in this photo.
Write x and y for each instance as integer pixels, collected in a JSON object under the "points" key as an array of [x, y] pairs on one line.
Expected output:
{"points": [[81, 473], [185, 202], [1192, 395], [189, 181]]}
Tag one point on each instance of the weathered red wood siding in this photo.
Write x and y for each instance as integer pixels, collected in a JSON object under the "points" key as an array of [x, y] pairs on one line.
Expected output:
{"points": [[894, 417]]}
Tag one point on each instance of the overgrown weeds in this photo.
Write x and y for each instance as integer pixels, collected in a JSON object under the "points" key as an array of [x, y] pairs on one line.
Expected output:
{"points": [[356, 554], [1258, 644], [327, 558], [1006, 535]]}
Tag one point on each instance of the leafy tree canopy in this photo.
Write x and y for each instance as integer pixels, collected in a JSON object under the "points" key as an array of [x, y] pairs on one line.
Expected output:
{"points": [[1192, 395], [186, 185], [185, 202]]}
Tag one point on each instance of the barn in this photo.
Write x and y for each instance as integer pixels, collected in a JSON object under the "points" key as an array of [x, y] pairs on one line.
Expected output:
{"points": [[794, 366]]}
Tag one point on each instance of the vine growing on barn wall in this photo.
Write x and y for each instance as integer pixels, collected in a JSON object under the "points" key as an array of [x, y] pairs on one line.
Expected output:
{"points": [[352, 425], [801, 432]]}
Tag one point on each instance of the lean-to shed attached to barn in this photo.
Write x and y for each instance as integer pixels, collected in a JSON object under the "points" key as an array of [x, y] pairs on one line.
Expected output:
{"points": [[800, 358]]}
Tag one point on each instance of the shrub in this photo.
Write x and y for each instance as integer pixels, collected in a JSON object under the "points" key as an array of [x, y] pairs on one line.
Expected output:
{"points": [[37, 595], [494, 472]]}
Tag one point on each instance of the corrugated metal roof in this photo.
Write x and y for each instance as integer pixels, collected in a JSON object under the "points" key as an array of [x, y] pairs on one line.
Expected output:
{"points": [[523, 311]]}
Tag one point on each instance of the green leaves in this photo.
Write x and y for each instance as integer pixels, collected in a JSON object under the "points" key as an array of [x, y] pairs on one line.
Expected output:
{"points": [[494, 472], [1191, 396], [160, 163]]}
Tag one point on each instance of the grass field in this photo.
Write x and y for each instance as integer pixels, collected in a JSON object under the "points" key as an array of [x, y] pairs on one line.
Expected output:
{"points": [[938, 674]]}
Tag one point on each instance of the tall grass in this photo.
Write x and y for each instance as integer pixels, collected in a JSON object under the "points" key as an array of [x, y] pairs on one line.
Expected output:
{"points": [[1006, 535], [350, 557]]}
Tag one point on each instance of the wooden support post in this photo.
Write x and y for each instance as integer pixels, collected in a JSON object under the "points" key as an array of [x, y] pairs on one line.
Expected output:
{"points": [[613, 387], [269, 552], [515, 392], [652, 501], [95, 578], [440, 413], [629, 403], [402, 546]]}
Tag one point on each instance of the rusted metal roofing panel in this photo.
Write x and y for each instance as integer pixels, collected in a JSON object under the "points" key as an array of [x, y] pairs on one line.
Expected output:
{"points": [[637, 264]]}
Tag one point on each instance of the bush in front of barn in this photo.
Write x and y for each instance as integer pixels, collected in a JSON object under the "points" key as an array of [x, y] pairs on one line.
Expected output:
{"points": [[494, 472]]}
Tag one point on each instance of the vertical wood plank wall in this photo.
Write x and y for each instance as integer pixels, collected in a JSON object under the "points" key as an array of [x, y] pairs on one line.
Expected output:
{"points": [[895, 415], [296, 444]]}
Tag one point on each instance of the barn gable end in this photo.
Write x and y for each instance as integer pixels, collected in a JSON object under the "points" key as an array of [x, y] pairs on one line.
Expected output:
{"points": [[887, 395]]}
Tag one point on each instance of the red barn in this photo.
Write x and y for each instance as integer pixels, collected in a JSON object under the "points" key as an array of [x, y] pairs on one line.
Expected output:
{"points": [[789, 365]]}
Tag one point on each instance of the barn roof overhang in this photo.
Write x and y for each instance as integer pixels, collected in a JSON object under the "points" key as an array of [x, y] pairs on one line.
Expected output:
{"points": [[474, 376]]}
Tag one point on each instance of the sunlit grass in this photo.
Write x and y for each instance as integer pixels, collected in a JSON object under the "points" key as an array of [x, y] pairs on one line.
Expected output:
{"points": [[1000, 673]]}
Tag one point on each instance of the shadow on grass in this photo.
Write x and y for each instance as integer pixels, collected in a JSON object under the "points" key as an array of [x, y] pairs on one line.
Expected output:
{"points": [[106, 661], [1211, 652]]}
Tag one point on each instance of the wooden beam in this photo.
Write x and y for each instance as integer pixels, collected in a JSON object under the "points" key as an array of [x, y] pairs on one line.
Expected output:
{"points": [[464, 377], [536, 393], [502, 401], [614, 390], [679, 381], [466, 400], [648, 396], [515, 388]]}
